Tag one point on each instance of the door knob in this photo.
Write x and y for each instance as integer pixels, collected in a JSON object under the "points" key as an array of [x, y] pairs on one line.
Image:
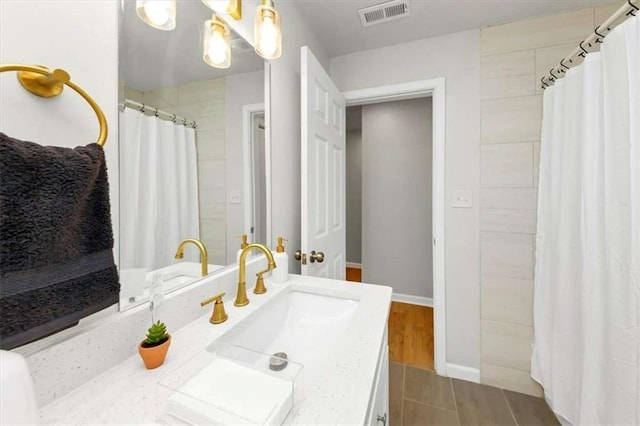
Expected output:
{"points": [[301, 257], [316, 257], [382, 419]]}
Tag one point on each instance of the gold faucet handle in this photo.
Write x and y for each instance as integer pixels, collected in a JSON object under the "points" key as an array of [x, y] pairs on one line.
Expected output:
{"points": [[260, 288], [219, 315]]}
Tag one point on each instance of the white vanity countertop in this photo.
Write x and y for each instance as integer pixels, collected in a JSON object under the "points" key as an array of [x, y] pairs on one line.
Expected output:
{"points": [[127, 393]]}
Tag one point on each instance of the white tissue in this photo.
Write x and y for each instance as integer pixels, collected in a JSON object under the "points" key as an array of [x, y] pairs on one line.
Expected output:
{"points": [[226, 393]]}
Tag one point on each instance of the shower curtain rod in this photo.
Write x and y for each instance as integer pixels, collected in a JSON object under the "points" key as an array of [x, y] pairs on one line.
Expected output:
{"points": [[163, 115], [630, 8]]}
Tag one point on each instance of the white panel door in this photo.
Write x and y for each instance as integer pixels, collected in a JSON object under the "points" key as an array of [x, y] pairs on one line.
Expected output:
{"points": [[323, 232]]}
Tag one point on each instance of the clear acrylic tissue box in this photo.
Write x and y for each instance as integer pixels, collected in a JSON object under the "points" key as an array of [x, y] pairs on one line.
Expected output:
{"points": [[230, 385]]}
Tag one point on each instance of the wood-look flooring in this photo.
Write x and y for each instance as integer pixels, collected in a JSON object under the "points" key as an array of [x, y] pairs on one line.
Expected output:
{"points": [[410, 330], [418, 397], [354, 275], [411, 335]]}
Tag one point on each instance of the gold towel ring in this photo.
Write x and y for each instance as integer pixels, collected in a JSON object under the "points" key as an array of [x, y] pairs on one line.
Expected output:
{"points": [[43, 82]]}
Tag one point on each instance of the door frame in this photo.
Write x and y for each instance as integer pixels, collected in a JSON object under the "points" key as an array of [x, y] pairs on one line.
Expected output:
{"points": [[434, 88], [248, 111]]}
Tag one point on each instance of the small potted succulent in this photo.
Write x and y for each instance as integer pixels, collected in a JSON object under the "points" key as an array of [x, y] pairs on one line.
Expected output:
{"points": [[153, 349]]}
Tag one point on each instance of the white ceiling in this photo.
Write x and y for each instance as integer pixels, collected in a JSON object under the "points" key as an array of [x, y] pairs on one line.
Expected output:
{"points": [[338, 25], [152, 58]]}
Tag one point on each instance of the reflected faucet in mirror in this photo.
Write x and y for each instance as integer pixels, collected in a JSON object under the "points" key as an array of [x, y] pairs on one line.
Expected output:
{"points": [[204, 258], [241, 296]]}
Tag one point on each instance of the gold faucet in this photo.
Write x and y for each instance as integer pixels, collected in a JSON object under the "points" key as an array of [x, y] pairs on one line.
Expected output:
{"points": [[204, 258], [241, 297]]}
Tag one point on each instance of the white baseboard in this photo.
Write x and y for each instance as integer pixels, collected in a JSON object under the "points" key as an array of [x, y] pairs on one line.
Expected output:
{"points": [[462, 372], [354, 265], [414, 300]]}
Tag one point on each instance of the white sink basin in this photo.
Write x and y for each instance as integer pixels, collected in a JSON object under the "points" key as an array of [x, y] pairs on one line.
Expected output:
{"points": [[306, 326]]}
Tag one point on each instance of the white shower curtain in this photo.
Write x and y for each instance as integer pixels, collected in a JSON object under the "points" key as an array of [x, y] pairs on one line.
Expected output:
{"points": [[587, 277], [159, 190]]}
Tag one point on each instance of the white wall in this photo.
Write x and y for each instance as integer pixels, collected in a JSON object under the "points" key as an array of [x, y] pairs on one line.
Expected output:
{"points": [[457, 58], [81, 38], [240, 90], [396, 196]]}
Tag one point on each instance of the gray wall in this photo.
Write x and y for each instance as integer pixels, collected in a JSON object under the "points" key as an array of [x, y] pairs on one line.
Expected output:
{"points": [[456, 57], [354, 183], [354, 195], [396, 200]]}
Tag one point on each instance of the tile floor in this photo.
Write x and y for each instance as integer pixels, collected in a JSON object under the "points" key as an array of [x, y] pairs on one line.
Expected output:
{"points": [[419, 397]]}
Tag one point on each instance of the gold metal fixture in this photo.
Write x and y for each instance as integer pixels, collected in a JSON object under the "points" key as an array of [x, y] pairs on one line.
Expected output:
{"points": [[259, 288], [313, 257], [280, 247], [43, 82], [241, 297], [219, 315], [301, 257], [316, 257], [204, 258], [244, 243], [234, 7]]}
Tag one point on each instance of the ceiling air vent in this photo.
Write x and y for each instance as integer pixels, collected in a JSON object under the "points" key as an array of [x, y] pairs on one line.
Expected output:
{"points": [[384, 12]]}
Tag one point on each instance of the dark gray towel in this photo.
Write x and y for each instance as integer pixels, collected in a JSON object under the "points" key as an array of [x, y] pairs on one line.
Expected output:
{"points": [[56, 260]]}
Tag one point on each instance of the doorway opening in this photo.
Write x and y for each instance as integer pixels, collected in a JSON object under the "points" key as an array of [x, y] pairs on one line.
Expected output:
{"points": [[254, 170], [388, 216], [395, 135]]}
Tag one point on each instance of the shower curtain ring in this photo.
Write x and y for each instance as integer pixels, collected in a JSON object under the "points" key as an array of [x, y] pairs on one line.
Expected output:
{"points": [[563, 65], [600, 36], [155, 112], [173, 119], [584, 52], [553, 76], [632, 12], [142, 108], [544, 84]]}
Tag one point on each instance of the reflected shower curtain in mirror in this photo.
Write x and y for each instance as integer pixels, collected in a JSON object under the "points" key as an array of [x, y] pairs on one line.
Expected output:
{"points": [[587, 277], [159, 190]]}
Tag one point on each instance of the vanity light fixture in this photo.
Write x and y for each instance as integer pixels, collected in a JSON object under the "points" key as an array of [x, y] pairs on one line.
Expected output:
{"points": [[267, 31], [216, 46], [232, 7], [160, 14]]}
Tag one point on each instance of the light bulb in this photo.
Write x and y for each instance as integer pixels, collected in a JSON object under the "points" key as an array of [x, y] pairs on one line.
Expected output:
{"points": [[216, 45], [217, 48], [158, 11], [268, 43]]}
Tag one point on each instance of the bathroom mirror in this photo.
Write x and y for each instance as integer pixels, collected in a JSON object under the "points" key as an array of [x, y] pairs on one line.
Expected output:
{"points": [[192, 153]]}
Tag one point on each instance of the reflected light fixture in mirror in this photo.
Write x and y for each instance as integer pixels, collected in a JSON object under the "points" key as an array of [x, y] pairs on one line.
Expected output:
{"points": [[160, 14], [216, 44], [232, 7], [267, 31]]}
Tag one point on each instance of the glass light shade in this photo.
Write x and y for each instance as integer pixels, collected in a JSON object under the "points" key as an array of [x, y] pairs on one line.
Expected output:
{"points": [[216, 45], [232, 7], [267, 32], [160, 14]]}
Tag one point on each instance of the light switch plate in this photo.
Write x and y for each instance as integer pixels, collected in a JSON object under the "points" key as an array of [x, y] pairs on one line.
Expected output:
{"points": [[462, 199], [235, 197]]}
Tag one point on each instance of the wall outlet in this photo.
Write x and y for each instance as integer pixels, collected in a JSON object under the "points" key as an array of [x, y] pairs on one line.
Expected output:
{"points": [[462, 199], [235, 197]]}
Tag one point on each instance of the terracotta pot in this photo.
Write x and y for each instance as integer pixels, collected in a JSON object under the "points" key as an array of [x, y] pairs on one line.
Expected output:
{"points": [[154, 357]]}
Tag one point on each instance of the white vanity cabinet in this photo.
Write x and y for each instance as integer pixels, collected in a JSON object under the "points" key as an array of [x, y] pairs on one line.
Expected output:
{"points": [[379, 401]]}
